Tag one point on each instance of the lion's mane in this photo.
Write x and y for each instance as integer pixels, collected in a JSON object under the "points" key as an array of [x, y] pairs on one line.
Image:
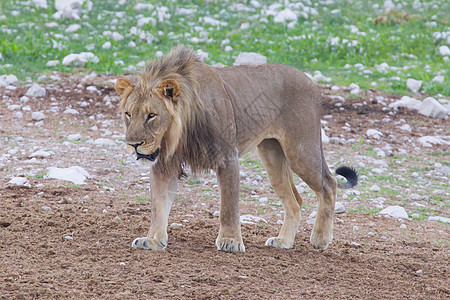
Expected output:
{"points": [[192, 138]]}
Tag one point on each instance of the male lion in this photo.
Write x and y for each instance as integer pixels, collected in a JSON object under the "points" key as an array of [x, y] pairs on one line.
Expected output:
{"points": [[182, 112]]}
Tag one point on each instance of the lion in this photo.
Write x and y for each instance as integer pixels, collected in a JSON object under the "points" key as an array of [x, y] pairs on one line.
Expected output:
{"points": [[183, 113]]}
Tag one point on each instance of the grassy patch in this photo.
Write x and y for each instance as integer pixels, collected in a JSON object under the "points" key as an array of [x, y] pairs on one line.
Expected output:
{"points": [[345, 40]]}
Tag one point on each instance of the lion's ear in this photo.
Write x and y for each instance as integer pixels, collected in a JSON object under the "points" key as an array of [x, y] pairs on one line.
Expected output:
{"points": [[171, 89], [123, 87]]}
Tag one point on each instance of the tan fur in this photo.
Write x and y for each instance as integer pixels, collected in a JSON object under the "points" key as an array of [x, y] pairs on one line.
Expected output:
{"points": [[206, 117]]}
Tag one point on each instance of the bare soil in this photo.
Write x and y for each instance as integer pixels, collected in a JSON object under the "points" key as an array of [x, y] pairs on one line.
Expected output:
{"points": [[62, 240]]}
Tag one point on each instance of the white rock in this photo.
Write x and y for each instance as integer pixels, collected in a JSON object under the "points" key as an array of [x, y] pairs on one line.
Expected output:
{"points": [[375, 188], [52, 63], [373, 133], [42, 154], [355, 228], [202, 55], [37, 116], [429, 141], [325, 138], [104, 142], [40, 3], [318, 76], [313, 215], [407, 102], [395, 212], [68, 4], [444, 50], [142, 21], [74, 174], [106, 45], [18, 115], [71, 111], [263, 200], [14, 107], [413, 85], [250, 58], [438, 78], [339, 208], [73, 28], [250, 219], [36, 91], [79, 60], [216, 214], [406, 127], [444, 170], [430, 107], [438, 218], [176, 225], [285, 15], [403, 226], [117, 36], [8, 80], [74, 137], [18, 181], [68, 237]]}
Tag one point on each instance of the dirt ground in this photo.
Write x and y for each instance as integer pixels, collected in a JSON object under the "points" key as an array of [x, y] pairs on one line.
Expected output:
{"points": [[62, 240]]}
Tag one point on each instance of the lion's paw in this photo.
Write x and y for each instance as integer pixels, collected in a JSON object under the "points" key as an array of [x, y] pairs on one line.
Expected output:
{"points": [[148, 244], [230, 245], [320, 241], [278, 243]]}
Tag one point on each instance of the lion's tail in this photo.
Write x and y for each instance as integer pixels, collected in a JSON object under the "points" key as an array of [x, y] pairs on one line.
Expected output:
{"points": [[349, 174]]}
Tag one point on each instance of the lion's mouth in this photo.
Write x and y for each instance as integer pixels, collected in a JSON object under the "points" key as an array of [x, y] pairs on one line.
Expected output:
{"points": [[150, 157]]}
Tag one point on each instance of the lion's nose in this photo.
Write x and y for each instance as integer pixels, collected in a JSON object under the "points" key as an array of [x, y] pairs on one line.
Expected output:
{"points": [[135, 145]]}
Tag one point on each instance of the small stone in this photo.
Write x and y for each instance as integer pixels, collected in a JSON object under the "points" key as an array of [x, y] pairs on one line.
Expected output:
{"points": [[403, 226], [18, 181], [438, 218], [46, 208], [263, 200], [355, 228], [339, 208], [312, 215], [375, 188], [176, 225], [216, 213], [36, 91], [68, 237], [122, 263], [279, 222], [413, 85], [37, 116], [395, 212], [74, 137], [250, 58], [419, 271]]}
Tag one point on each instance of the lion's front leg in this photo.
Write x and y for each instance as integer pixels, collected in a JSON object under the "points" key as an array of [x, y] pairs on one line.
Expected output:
{"points": [[229, 238], [163, 193]]}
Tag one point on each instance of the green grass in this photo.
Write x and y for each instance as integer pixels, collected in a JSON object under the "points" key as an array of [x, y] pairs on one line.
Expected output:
{"points": [[27, 44]]}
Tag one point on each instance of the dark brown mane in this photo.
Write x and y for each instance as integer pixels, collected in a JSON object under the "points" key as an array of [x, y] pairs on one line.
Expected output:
{"points": [[199, 146]]}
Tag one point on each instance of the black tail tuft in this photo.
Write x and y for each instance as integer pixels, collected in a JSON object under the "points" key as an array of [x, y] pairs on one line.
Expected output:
{"points": [[349, 174]]}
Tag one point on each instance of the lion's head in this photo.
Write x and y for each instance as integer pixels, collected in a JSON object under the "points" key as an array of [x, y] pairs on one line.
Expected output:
{"points": [[165, 117], [150, 113]]}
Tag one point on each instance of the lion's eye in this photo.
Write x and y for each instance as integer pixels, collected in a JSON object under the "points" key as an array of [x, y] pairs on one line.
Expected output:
{"points": [[128, 114], [151, 116]]}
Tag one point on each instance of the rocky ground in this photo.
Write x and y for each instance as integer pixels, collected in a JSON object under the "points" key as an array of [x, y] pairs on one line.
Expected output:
{"points": [[64, 238]]}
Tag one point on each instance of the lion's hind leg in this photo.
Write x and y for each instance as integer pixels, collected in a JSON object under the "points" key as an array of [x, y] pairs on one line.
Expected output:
{"points": [[281, 178], [310, 165]]}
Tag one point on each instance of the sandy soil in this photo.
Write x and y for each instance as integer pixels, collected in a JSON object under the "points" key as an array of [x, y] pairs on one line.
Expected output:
{"points": [[62, 240]]}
